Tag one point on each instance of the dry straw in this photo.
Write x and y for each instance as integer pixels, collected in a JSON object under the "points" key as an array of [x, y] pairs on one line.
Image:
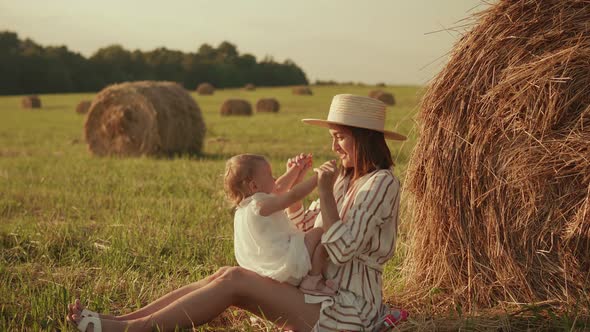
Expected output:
{"points": [[31, 102], [236, 107], [144, 118], [267, 105], [250, 87], [386, 97], [499, 181], [205, 89], [302, 91], [83, 107]]}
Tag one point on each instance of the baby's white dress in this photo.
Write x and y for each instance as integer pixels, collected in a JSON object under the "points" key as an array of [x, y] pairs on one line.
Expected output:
{"points": [[271, 246]]}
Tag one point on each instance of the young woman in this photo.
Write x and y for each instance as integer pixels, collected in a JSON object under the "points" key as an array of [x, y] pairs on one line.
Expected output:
{"points": [[359, 214]]}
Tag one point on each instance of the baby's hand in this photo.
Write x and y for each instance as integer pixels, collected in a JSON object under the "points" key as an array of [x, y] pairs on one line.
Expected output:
{"points": [[301, 162]]}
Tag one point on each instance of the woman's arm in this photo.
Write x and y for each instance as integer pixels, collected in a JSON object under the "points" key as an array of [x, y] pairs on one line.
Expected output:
{"points": [[326, 179], [303, 219], [343, 239]]}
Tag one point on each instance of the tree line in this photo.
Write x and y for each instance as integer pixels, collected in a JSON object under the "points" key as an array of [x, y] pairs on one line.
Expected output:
{"points": [[27, 67]]}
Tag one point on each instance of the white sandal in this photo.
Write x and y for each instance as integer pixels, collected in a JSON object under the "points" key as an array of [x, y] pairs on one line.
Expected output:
{"points": [[95, 321], [89, 313]]}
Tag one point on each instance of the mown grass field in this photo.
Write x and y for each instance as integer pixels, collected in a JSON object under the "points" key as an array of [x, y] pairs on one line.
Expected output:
{"points": [[119, 233]]}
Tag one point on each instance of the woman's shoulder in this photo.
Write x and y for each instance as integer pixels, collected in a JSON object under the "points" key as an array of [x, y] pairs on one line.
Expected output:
{"points": [[382, 177], [384, 174]]}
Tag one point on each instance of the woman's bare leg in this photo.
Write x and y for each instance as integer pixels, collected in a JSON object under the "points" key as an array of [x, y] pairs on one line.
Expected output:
{"points": [[167, 299], [76, 308], [279, 302]]}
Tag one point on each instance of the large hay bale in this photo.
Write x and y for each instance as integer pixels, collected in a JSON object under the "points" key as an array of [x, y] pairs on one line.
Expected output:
{"points": [[302, 91], [267, 105], [31, 102], [386, 97], [501, 174], [144, 118], [83, 106], [236, 107], [250, 87], [205, 89]]}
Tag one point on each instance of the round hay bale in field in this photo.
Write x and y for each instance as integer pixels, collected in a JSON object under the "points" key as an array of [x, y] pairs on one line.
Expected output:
{"points": [[302, 91], [236, 107], [267, 105], [374, 93], [381, 85], [500, 177], [250, 87], [31, 102], [144, 118], [205, 89], [386, 97], [83, 107]]}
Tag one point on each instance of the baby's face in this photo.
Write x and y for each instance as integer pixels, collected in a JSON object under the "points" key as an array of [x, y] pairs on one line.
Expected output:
{"points": [[263, 178]]}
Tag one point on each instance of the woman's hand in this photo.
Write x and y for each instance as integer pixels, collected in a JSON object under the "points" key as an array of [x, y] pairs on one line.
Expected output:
{"points": [[326, 176]]}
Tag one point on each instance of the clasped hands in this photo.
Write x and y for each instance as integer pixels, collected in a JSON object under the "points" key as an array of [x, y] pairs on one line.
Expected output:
{"points": [[326, 173]]}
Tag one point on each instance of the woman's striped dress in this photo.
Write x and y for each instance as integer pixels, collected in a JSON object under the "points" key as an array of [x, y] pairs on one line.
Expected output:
{"points": [[358, 245]]}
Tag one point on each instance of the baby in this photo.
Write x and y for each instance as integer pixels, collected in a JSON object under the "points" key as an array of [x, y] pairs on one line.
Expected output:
{"points": [[266, 241]]}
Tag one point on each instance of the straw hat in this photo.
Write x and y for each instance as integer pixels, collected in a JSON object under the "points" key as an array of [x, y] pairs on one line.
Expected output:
{"points": [[357, 111]]}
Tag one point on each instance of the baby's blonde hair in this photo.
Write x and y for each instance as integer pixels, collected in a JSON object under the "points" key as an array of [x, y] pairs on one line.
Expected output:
{"points": [[239, 170]]}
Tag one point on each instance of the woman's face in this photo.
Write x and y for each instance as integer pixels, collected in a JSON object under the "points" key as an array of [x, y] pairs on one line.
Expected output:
{"points": [[343, 144]]}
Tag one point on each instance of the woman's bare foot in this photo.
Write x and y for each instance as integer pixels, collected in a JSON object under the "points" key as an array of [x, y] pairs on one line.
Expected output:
{"points": [[76, 308], [92, 324]]}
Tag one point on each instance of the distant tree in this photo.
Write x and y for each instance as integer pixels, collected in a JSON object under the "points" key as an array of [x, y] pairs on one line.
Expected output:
{"points": [[207, 53], [26, 67], [226, 53], [10, 63]]}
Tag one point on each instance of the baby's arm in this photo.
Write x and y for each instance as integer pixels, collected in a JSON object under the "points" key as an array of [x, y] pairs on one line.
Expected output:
{"points": [[283, 201], [296, 169], [285, 181]]}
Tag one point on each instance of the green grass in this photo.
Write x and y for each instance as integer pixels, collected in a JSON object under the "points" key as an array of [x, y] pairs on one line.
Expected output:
{"points": [[119, 233]]}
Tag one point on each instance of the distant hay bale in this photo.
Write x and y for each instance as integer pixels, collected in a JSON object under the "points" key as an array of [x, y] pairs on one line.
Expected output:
{"points": [[302, 91], [381, 85], [236, 107], [500, 177], [31, 102], [144, 118], [205, 89], [83, 107], [268, 105], [386, 97], [250, 87]]}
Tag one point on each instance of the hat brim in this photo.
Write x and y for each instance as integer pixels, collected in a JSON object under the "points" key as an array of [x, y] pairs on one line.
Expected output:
{"points": [[326, 124]]}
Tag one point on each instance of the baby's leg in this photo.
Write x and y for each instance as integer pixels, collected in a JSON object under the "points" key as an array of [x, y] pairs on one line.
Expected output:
{"points": [[317, 252], [318, 260]]}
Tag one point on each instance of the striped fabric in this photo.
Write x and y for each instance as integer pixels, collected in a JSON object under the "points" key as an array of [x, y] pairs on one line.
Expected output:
{"points": [[358, 245]]}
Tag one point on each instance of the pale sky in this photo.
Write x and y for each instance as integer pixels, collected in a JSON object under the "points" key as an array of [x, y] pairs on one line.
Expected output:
{"points": [[369, 41]]}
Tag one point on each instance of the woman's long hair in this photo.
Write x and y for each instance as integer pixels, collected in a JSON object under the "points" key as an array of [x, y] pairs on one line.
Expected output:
{"points": [[370, 152]]}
